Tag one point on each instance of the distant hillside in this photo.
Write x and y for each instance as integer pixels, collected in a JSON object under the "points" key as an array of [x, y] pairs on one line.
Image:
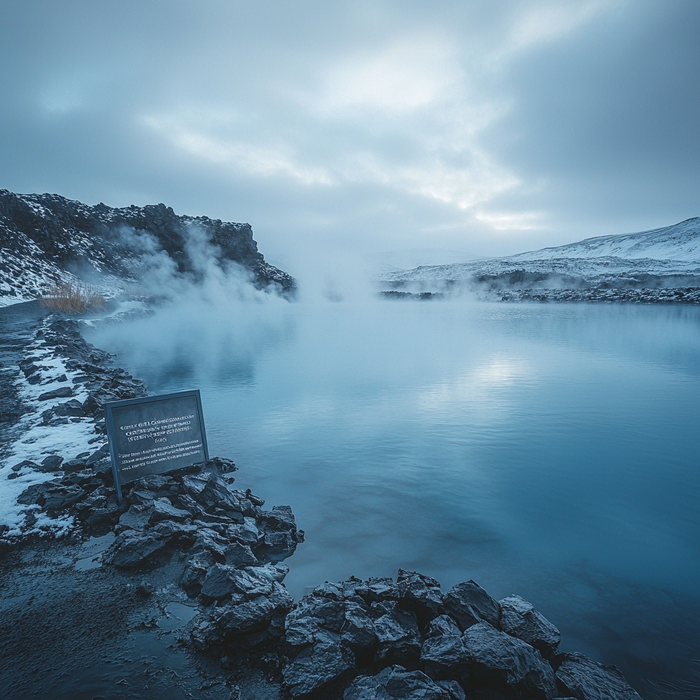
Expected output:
{"points": [[47, 239], [658, 265]]}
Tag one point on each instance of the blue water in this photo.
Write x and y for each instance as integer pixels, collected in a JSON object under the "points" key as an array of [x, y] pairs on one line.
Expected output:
{"points": [[547, 450]]}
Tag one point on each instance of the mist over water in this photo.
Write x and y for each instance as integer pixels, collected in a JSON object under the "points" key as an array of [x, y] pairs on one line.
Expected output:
{"points": [[547, 450]]}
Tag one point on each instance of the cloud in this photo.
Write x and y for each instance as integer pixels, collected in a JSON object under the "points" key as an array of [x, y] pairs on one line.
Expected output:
{"points": [[466, 126]]}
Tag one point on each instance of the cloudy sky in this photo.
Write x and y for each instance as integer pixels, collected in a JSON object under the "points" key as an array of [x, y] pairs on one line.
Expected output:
{"points": [[469, 128]]}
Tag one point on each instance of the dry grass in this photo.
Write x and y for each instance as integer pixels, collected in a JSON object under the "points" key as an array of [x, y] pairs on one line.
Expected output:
{"points": [[72, 298]]}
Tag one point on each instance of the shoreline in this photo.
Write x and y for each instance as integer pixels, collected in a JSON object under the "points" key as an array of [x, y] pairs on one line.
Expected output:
{"points": [[193, 540]]}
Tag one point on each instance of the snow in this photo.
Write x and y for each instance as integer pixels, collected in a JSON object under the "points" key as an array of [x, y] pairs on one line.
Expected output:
{"points": [[36, 441], [673, 250]]}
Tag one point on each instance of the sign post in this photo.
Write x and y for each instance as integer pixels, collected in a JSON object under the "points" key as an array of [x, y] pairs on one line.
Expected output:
{"points": [[155, 434]]}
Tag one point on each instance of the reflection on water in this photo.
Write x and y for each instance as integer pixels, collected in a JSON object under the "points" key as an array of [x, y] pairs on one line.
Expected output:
{"points": [[545, 450]]}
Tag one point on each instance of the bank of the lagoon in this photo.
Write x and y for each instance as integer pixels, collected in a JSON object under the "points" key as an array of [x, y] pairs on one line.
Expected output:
{"points": [[518, 446], [548, 450]]}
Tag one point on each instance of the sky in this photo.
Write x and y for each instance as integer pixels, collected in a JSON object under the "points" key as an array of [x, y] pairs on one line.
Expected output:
{"points": [[393, 131]]}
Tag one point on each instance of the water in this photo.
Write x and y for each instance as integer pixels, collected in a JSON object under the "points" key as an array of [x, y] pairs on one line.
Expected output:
{"points": [[547, 450]]}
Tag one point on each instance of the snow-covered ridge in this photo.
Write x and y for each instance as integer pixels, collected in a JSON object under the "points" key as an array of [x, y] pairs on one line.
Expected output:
{"points": [[664, 258], [680, 242], [47, 239]]}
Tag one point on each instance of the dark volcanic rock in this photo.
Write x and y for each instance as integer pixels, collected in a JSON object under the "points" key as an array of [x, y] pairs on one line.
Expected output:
{"points": [[134, 549], [395, 683], [318, 666], [43, 236], [60, 393], [468, 603], [520, 619], [419, 593], [585, 679], [505, 663], [399, 639], [52, 463]]}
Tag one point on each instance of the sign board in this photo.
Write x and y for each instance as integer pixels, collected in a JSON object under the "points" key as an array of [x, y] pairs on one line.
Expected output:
{"points": [[154, 435]]}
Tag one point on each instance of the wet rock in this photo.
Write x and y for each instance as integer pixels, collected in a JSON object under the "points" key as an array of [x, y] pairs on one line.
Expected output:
{"points": [[381, 588], [468, 603], [133, 549], [397, 683], [419, 593], [520, 619], [60, 393], [196, 571], [506, 664], [59, 498], [399, 639], [585, 679], [224, 581], [52, 463], [26, 464], [164, 510], [74, 465], [136, 518], [312, 616], [318, 666], [442, 625], [240, 555], [69, 408], [445, 656], [358, 631]]}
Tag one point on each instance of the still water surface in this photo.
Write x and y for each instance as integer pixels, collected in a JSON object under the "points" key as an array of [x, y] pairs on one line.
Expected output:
{"points": [[548, 450]]}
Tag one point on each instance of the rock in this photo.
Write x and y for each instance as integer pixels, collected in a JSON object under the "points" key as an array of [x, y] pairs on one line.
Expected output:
{"points": [[164, 510], [240, 555], [442, 625], [506, 664], [318, 666], [59, 498], [196, 571], [357, 631], [223, 581], [61, 393], [69, 408], [399, 639], [136, 518], [444, 656], [26, 464], [419, 593], [74, 465], [585, 679], [379, 589], [133, 549], [468, 603], [397, 683], [520, 619], [52, 463], [311, 617]]}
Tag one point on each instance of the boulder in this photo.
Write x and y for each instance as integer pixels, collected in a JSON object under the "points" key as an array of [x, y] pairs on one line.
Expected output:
{"points": [[164, 510], [52, 463], [520, 619], [239, 555], [396, 683], [318, 666], [445, 656], [468, 603], [442, 625], [358, 631], [419, 593], [585, 679], [311, 617], [507, 664], [196, 571], [381, 588], [133, 549], [399, 639], [61, 393]]}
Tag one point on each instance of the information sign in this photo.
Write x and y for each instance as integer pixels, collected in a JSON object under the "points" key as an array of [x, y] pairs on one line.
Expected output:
{"points": [[154, 435]]}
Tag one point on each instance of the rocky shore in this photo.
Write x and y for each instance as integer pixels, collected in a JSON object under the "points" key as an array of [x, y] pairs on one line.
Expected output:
{"points": [[192, 539]]}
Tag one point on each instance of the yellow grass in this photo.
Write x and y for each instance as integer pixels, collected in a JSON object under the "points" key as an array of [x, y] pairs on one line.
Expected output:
{"points": [[72, 298]]}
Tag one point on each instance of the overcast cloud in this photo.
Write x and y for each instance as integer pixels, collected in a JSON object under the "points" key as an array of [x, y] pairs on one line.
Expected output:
{"points": [[481, 128]]}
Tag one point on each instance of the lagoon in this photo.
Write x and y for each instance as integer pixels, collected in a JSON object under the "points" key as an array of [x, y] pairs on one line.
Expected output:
{"points": [[546, 450]]}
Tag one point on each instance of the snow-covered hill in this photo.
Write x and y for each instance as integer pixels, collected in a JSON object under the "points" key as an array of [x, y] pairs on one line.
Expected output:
{"points": [[47, 239], [665, 258]]}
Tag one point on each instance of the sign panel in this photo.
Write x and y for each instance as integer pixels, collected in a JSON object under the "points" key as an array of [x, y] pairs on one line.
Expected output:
{"points": [[155, 434]]}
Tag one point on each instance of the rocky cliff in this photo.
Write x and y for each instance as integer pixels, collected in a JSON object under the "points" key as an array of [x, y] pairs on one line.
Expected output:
{"points": [[47, 239]]}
